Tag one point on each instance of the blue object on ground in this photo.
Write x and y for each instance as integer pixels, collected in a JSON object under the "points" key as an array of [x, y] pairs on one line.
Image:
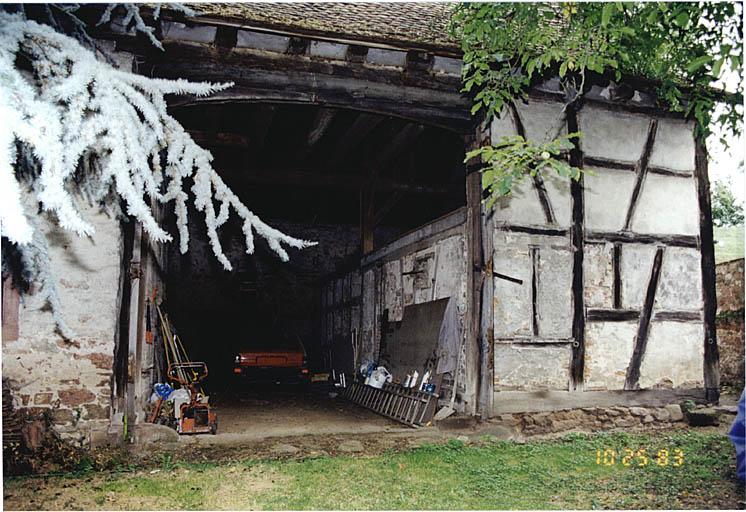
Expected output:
{"points": [[163, 390], [738, 437]]}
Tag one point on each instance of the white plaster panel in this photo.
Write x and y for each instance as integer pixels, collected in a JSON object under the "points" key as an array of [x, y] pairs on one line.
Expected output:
{"points": [[532, 367], [182, 32], [543, 120], [446, 65], [558, 190], [680, 284], [383, 57], [87, 273], [607, 196], [598, 275], [608, 349], [554, 292], [502, 126], [637, 263], [326, 50], [392, 298], [261, 41], [667, 205], [450, 275], [615, 135], [512, 301], [521, 207], [674, 145], [674, 356]]}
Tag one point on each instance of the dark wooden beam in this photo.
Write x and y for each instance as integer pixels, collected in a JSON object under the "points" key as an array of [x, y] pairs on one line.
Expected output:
{"points": [[608, 163], [678, 316], [534, 251], [319, 126], [297, 46], [616, 263], [633, 315], [638, 238], [533, 230], [219, 139], [422, 97], [707, 261], [226, 37], [313, 178], [474, 350], [541, 189], [577, 237], [612, 315], [632, 379], [363, 125], [641, 168]]}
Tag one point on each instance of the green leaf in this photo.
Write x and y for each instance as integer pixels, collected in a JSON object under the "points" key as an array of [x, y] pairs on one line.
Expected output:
{"points": [[606, 14], [682, 19], [698, 63], [563, 69], [716, 67]]}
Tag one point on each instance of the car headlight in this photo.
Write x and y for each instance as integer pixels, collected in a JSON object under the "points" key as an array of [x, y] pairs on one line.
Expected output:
{"points": [[237, 360]]}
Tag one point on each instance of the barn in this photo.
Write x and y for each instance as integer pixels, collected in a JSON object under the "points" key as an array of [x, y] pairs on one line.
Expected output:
{"points": [[346, 126]]}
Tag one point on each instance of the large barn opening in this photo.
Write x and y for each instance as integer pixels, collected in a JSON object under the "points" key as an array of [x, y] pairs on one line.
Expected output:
{"points": [[350, 180]]}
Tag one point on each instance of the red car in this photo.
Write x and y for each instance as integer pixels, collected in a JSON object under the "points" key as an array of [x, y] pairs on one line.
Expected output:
{"points": [[279, 361]]}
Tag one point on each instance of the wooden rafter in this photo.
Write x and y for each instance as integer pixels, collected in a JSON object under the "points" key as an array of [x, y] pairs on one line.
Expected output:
{"points": [[319, 126], [363, 125]]}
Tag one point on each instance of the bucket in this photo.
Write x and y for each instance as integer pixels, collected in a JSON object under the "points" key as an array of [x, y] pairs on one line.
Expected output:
{"points": [[379, 377]]}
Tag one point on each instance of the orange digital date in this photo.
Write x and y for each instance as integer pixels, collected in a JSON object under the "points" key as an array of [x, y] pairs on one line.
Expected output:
{"points": [[640, 457]]}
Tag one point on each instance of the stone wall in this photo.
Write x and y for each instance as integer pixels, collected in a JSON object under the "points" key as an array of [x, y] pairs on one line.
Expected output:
{"points": [[70, 379], [730, 322], [590, 419]]}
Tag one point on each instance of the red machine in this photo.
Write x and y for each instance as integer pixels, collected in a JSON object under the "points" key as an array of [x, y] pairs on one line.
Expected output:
{"points": [[195, 417]]}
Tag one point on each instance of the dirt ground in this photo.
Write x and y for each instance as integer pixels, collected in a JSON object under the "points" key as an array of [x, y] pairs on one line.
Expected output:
{"points": [[269, 410]]}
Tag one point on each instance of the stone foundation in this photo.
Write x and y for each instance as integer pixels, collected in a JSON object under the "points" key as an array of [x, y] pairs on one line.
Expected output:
{"points": [[590, 419]]}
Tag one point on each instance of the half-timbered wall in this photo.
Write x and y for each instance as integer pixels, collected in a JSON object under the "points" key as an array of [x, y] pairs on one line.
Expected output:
{"points": [[598, 283]]}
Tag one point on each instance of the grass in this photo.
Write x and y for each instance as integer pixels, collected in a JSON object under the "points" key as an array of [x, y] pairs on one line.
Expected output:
{"points": [[556, 474], [729, 243]]}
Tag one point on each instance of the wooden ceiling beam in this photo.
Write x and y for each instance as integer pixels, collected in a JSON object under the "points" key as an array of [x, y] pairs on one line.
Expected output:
{"points": [[320, 125], [363, 125], [401, 141], [316, 179], [219, 139]]}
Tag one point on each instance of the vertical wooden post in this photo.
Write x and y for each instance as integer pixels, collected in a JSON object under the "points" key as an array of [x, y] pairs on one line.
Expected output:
{"points": [[366, 219], [475, 265], [133, 332], [577, 234], [707, 251], [486, 327]]}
